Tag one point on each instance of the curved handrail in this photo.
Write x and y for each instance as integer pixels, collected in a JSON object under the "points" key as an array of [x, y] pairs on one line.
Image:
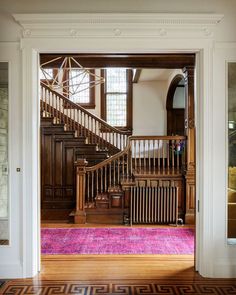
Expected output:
{"points": [[76, 106], [145, 154], [127, 148], [110, 159], [157, 137]]}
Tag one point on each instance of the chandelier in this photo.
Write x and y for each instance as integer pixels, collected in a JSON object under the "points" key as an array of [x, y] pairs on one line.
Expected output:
{"points": [[70, 77]]}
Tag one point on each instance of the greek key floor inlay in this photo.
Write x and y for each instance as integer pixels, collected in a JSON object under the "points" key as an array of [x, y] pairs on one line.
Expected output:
{"points": [[171, 287]]}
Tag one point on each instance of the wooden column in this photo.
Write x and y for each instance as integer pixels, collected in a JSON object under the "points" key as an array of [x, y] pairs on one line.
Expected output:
{"points": [[80, 215], [190, 169]]}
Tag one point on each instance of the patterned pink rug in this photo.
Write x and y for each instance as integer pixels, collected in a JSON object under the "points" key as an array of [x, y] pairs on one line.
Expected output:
{"points": [[117, 240]]}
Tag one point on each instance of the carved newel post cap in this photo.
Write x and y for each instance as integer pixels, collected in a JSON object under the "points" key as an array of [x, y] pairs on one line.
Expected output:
{"points": [[81, 162]]}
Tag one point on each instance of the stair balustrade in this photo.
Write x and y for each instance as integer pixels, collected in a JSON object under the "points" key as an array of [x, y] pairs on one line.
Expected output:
{"points": [[143, 155], [84, 123]]}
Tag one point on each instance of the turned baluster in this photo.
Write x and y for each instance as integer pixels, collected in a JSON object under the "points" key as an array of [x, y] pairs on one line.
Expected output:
{"points": [[56, 98], [159, 154], [93, 186], [173, 153], [149, 157], [59, 109], [47, 103], [74, 121], [163, 155], [101, 179], [135, 155], [110, 174], [144, 155], [168, 154], [105, 178], [87, 200], [154, 159], [139, 149]]}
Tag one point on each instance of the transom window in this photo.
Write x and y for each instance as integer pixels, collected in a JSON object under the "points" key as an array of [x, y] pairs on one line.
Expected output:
{"points": [[116, 97]]}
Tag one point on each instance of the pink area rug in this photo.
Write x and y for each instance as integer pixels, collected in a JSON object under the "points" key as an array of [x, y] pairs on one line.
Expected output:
{"points": [[117, 240]]}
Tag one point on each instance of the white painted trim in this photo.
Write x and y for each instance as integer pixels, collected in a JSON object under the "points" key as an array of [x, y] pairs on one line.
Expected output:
{"points": [[224, 264], [143, 42], [225, 45], [11, 256], [31, 131], [107, 18], [125, 25]]}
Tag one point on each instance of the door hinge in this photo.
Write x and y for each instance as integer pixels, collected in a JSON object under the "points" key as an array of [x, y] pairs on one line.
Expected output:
{"points": [[198, 206]]}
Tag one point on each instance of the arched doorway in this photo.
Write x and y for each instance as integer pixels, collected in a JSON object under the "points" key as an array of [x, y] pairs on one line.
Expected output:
{"points": [[175, 106]]}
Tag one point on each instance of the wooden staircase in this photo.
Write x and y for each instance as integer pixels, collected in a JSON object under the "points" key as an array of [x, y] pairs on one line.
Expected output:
{"points": [[144, 183], [96, 173], [83, 123], [59, 150], [69, 132]]}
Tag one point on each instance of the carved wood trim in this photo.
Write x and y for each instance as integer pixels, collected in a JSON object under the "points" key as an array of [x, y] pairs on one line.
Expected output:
{"points": [[171, 113], [190, 173], [80, 215], [96, 60]]}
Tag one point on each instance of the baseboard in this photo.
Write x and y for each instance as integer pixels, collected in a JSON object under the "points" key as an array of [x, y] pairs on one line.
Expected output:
{"points": [[11, 271], [225, 269]]}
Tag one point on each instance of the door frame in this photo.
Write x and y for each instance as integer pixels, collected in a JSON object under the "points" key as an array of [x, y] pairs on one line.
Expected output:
{"points": [[131, 33]]}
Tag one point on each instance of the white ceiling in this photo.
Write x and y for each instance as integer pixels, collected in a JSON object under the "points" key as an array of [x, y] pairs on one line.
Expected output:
{"points": [[155, 74]]}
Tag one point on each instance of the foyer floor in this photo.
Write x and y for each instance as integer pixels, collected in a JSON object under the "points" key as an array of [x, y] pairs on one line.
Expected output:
{"points": [[117, 274]]}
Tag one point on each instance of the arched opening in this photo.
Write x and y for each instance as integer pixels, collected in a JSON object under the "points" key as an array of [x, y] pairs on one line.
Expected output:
{"points": [[175, 106]]}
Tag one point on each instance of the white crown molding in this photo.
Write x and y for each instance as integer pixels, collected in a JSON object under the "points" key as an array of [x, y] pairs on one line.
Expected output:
{"points": [[118, 25]]}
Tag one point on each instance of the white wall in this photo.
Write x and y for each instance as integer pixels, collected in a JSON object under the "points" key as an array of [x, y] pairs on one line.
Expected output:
{"points": [[179, 98], [149, 108]]}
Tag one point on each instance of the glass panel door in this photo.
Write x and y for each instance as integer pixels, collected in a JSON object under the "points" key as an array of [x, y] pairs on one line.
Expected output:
{"points": [[232, 152], [4, 215]]}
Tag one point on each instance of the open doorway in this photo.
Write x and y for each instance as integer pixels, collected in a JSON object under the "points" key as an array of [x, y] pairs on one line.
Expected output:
{"points": [[144, 179]]}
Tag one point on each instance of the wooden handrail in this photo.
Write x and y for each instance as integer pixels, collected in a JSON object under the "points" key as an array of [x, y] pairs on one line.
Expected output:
{"points": [[148, 154], [157, 137], [110, 159], [127, 148], [79, 107]]}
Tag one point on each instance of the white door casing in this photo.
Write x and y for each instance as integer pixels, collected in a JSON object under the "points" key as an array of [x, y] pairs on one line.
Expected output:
{"points": [[119, 33]]}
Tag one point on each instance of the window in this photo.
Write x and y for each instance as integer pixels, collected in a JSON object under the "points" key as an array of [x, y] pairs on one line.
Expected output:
{"points": [[116, 98], [82, 87]]}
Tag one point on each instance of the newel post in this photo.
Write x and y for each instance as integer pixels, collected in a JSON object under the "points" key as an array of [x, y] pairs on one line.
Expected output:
{"points": [[80, 215], [190, 132]]}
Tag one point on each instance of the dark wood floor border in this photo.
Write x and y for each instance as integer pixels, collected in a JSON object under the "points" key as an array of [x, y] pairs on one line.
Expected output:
{"points": [[162, 286]]}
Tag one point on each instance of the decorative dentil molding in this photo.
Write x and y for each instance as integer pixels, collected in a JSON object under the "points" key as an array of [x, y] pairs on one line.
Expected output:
{"points": [[117, 25]]}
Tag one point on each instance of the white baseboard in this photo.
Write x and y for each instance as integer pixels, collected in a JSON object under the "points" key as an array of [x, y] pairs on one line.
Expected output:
{"points": [[225, 269]]}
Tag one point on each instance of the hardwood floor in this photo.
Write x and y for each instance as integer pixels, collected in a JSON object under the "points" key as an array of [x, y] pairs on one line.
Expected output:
{"points": [[60, 224], [109, 267], [117, 274]]}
